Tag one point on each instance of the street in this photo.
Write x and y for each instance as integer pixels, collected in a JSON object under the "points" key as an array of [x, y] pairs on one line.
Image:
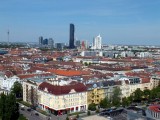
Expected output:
{"points": [[30, 115]]}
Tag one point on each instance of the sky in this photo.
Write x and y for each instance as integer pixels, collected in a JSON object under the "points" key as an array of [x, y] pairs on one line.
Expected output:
{"points": [[134, 22]]}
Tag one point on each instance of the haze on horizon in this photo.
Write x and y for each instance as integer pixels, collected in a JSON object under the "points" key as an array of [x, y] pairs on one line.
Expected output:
{"points": [[118, 21]]}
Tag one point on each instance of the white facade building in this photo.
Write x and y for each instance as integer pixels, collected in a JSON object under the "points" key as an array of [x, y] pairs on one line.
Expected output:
{"points": [[144, 54], [153, 112], [59, 100], [97, 42], [7, 83]]}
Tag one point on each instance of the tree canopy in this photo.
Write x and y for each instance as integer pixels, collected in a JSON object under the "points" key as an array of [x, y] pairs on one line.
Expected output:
{"points": [[105, 103], [9, 109], [138, 93], [17, 89], [92, 106], [125, 101], [116, 100]]}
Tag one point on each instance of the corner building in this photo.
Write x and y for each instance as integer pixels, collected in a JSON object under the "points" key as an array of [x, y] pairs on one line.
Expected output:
{"points": [[59, 100]]}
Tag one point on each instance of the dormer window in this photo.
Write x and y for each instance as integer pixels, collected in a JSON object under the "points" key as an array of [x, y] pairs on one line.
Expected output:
{"points": [[46, 90]]}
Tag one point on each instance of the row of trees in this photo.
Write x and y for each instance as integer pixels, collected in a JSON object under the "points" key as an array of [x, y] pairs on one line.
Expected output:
{"points": [[139, 96], [146, 95], [136, 97]]}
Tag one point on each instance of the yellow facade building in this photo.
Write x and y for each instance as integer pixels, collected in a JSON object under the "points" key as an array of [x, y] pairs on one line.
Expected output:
{"points": [[95, 95]]}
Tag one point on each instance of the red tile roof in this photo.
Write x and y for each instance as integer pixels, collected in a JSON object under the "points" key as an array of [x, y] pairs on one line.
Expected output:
{"points": [[1, 67], [146, 80], [68, 72], [158, 72], [143, 75], [155, 108], [59, 90], [9, 73], [140, 74], [25, 76]]}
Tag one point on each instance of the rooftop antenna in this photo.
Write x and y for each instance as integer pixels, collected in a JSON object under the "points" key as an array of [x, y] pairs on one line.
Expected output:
{"points": [[8, 36]]}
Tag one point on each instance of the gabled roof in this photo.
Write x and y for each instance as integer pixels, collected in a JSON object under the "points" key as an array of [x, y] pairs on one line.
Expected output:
{"points": [[59, 90]]}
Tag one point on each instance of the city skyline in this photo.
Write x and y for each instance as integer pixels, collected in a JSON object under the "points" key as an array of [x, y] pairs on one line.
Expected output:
{"points": [[119, 21]]}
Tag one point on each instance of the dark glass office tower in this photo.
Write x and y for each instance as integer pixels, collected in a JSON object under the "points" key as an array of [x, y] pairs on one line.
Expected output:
{"points": [[71, 39]]}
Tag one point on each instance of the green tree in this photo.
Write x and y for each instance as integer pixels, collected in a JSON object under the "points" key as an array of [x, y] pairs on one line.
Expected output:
{"points": [[116, 100], [153, 94], [158, 91], [146, 93], [125, 101], [9, 109], [86, 64], [104, 103], [17, 89], [138, 93], [2, 105], [130, 99], [92, 106]]}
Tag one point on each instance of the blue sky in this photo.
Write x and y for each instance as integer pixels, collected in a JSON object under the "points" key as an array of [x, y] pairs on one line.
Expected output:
{"points": [[118, 21]]}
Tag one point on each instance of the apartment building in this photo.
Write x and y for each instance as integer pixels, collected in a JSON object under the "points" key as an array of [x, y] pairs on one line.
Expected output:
{"points": [[155, 81], [98, 91], [7, 80], [62, 98], [95, 95], [30, 87]]}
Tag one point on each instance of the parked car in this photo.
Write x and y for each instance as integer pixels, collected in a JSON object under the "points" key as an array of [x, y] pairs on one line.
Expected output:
{"points": [[28, 109], [37, 114], [22, 109]]}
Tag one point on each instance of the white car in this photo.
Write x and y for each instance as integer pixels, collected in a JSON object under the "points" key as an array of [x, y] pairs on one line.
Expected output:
{"points": [[22, 106]]}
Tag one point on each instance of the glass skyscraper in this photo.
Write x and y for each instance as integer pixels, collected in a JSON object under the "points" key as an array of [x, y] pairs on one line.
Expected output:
{"points": [[71, 39]]}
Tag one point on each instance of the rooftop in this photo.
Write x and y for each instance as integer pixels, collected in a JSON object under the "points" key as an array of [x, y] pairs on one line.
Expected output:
{"points": [[66, 89], [155, 108]]}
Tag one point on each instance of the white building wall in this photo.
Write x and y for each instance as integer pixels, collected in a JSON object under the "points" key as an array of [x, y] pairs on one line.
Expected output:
{"points": [[97, 42], [7, 83], [26, 88]]}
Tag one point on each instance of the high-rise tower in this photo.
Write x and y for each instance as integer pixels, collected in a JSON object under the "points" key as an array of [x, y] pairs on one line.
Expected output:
{"points": [[97, 42], [8, 36], [71, 39], [40, 41]]}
